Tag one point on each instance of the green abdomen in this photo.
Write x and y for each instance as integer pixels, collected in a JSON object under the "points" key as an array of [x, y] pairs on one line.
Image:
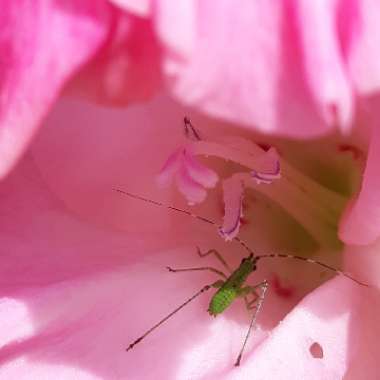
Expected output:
{"points": [[221, 300]]}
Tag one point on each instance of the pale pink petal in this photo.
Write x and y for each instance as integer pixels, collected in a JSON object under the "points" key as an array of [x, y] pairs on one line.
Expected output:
{"points": [[74, 293], [68, 300], [360, 223], [141, 8], [127, 69], [42, 44], [72, 298], [324, 61], [175, 24], [80, 327], [200, 173], [252, 63], [83, 173], [364, 261], [233, 208], [330, 317], [268, 167], [360, 27]]}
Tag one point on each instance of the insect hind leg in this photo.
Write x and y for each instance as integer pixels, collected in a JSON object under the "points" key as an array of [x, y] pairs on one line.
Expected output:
{"points": [[217, 255], [168, 316], [263, 286], [217, 271]]}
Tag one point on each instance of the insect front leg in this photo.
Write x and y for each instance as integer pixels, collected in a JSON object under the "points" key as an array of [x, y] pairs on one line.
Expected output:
{"points": [[212, 269], [250, 305], [251, 290], [217, 255]]}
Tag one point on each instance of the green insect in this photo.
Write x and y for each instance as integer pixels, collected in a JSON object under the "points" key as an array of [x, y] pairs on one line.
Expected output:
{"points": [[232, 286]]}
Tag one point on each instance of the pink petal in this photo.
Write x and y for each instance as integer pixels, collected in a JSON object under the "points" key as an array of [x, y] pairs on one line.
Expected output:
{"points": [[80, 327], [141, 8], [324, 62], [72, 299], [253, 63], [41, 45], [83, 173], [67, 282], [127, 69], [360, 223], [360, 26], [365, 261], [175, 23], [329, 317], [74, 293]]}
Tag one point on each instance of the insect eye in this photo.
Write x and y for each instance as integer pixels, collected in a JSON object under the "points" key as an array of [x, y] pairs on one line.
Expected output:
{"points": [[245, 259]]}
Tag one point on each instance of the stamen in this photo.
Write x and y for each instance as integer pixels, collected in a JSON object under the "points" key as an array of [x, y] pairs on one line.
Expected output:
{"points": [[245, 153], [190, 132], [233, 211], [269, 164], [191, 177], [315, 207]]}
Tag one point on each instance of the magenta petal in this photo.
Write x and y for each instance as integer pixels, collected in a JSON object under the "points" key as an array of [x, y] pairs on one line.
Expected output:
{"points": [[41, 45], [233, 208], [361, 222]]}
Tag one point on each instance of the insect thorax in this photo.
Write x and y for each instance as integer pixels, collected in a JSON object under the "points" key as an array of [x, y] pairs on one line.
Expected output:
{"points": [[231, 287]]}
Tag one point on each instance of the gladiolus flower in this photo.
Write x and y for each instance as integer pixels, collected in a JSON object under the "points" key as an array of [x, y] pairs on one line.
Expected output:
{"points": [[283, 154]]}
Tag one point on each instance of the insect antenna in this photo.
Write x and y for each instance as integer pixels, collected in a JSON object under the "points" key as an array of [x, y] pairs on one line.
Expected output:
{"points": [[186, 212], [209, 221], [138, 340], [240, 241], [311, 261]]}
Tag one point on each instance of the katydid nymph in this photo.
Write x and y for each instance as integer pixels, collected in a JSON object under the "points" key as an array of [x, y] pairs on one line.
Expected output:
{"points": [[230, 286]]}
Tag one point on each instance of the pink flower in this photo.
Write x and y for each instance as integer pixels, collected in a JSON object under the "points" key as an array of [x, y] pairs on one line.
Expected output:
{"points": [[83, 269]]}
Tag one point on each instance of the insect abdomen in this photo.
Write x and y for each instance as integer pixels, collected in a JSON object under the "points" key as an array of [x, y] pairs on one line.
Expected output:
{"points": [[221, 300]]}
